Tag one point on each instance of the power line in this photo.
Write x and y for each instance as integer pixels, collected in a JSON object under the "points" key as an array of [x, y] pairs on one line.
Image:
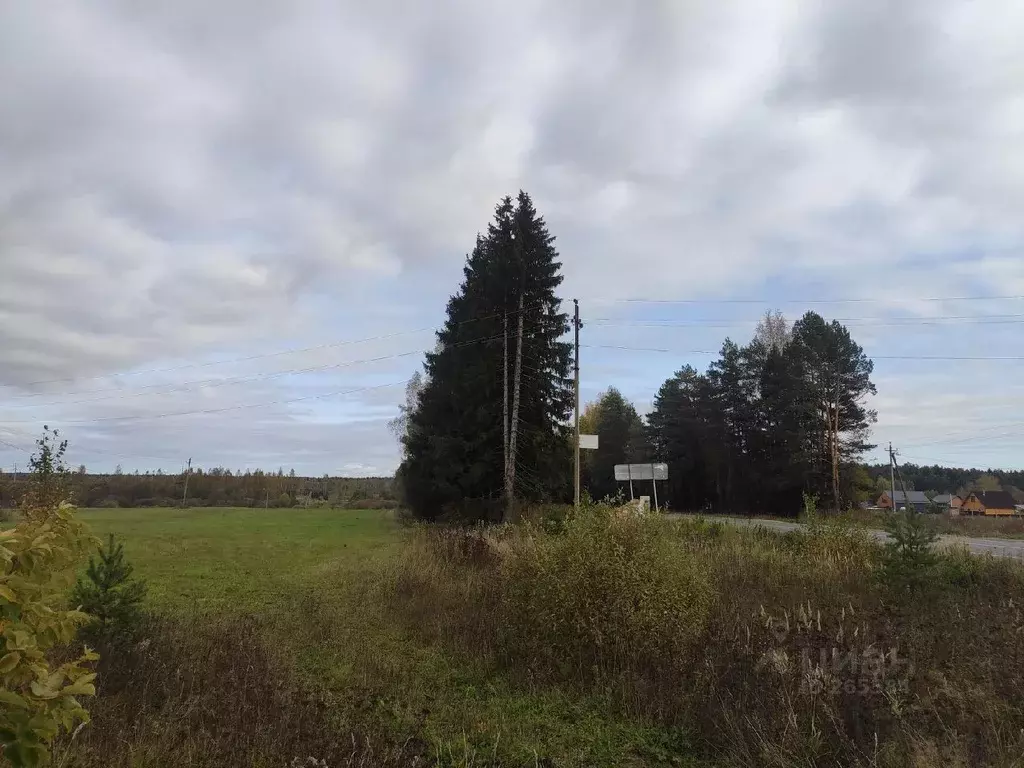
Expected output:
{"points": [[812, 301], [649, 349], [223, 409], [1014, 358], [279, 353], [185, 386], [867, 322]]}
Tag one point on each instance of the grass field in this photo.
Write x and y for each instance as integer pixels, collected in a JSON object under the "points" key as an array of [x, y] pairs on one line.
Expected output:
{"points": [[242, 559], [590, 640], [306, 582]]}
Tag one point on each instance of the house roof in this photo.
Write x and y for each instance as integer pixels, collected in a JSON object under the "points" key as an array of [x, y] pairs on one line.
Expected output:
{"points": [[916, 497], [942, 498], [995, 499]]}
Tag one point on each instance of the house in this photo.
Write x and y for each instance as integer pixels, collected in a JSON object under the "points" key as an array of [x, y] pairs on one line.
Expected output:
{"points": [[988, 503], [948, 503], [918, 501]]}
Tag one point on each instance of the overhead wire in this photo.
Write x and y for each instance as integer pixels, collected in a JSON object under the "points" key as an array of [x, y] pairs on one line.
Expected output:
{"points": [[278, 353], [857, 300], [223, 409]]}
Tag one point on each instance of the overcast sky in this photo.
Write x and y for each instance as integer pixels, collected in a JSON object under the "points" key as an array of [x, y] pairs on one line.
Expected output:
{"points": [[212, 215]]}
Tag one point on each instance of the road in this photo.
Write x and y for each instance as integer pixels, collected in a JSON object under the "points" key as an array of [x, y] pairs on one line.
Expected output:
{"points": [[997, 547]]}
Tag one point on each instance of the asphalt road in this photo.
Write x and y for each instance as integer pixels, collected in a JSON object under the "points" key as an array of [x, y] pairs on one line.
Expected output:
{"points": [[996, 547]]}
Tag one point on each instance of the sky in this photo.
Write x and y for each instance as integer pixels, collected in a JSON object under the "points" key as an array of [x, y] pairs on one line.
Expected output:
{"points": [[228, 229]]}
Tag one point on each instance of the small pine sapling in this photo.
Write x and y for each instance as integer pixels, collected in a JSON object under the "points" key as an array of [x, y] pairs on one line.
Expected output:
{"points": [[909, 557], [111, 597]]}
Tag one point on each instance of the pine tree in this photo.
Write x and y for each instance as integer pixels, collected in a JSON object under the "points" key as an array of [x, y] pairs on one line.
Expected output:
{"points": [[454, 441], [110, 596]]}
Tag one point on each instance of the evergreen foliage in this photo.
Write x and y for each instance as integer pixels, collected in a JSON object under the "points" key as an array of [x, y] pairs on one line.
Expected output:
{"points": [[111, 597], [453, 438], [621, 440], [909, 558], [768, 421]]}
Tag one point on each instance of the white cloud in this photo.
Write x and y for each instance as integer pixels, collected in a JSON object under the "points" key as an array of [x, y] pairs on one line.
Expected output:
{"points": [[184, 182]]}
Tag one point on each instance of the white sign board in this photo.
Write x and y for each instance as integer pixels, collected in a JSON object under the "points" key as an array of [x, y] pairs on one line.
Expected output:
{"points": [[588, 442], [624, 472]]}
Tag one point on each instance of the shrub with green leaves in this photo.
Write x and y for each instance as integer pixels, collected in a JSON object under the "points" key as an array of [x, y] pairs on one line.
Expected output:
{"points": [[608, 599], [111, 597], [39, 556]]}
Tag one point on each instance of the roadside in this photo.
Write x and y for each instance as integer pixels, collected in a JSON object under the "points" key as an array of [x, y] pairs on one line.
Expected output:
{"points": [[998, 547]]}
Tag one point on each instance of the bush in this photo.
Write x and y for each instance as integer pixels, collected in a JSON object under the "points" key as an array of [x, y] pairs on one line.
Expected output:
{"points": [[108, 504], [39, 696], [778, 650], [606, 604]]}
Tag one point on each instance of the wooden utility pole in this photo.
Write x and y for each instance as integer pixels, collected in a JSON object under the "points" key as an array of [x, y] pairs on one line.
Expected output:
{"points": [[513, 430], [892, 477], [184, 495], [576, 420], [906, 498], [834, 429], [510, 481], [504, 415]]}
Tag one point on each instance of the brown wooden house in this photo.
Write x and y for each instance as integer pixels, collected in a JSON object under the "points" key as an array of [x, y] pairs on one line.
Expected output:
{"points": [[988, 503]]}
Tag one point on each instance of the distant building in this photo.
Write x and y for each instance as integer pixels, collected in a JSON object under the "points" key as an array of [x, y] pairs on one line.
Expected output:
{"points": [[988, 503], [948, 502], [918, 502]]}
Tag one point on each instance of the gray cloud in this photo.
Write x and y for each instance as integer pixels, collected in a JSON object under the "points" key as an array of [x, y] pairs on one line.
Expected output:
{"points": [[184, 183]]}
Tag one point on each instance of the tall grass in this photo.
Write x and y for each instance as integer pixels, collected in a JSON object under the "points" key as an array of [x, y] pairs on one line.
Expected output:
{"points": [[209, 692], [771, 650]]}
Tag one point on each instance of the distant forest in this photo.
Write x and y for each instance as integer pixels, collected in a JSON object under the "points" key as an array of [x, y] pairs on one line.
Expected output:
{"points": [[215, 488], [936, 479]]}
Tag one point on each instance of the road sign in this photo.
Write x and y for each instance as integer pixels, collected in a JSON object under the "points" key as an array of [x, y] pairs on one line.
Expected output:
{"points": [[624, 472], [588, 442]]}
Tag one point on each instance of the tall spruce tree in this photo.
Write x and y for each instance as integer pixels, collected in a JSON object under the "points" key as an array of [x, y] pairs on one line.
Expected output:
{"points": [[454, 441]]}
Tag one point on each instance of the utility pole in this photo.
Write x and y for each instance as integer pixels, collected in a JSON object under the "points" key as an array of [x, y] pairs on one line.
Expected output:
{"points": [[835, 447], [576, 364], [188, 472], [906, 498], [504, 382], [892, 477], [510, 478]]}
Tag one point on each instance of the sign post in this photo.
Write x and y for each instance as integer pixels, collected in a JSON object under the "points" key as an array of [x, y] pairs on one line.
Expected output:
{"points": [[652, 472]]}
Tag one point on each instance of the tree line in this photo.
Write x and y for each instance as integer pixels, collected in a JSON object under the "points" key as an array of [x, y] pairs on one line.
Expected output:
{"points": [[488, 422], [766, 423], [211, 488]]}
